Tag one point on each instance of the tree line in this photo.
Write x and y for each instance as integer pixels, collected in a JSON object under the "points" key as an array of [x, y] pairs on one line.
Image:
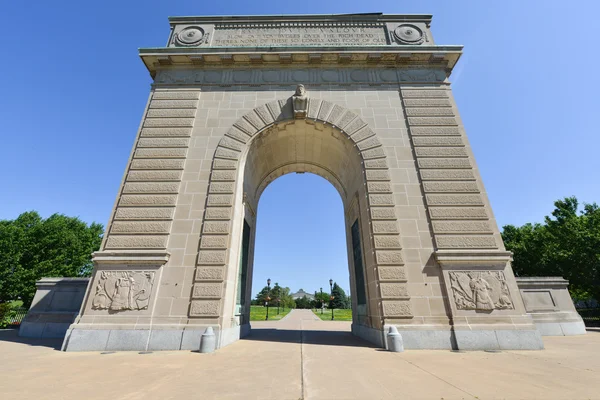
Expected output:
{"points": [[282, 296]]}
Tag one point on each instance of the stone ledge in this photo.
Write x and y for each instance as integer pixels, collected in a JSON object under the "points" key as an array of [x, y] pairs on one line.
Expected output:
{"points": [[158, 257], [473, 258]]}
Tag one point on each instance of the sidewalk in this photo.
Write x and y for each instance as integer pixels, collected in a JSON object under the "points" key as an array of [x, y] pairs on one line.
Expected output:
{"points": [[302, 357]]}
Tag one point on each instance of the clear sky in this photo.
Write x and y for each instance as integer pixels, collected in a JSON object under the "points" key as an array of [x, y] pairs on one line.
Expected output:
{"points": [[72, 92]]}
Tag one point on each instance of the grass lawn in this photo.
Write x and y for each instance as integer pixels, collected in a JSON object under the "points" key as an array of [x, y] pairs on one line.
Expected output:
{"points": [[258, 313], [338, 315]]}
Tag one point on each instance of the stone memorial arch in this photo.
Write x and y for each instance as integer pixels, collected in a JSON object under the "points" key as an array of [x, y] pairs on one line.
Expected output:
{"points": [[362, 100]]}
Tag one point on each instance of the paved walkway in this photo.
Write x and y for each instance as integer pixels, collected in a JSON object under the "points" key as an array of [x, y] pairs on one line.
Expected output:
{"points": [[301, 357]]}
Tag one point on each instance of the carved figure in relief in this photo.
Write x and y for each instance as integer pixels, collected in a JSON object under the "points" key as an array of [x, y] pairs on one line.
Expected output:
{"points": [[480, 290], [481, 293], [123, 290], [300, 102]]}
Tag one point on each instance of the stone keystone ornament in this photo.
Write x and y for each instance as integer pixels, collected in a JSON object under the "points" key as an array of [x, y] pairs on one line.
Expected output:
{"points": [[300, 102]]}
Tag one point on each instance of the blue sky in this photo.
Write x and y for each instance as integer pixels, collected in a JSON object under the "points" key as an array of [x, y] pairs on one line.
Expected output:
{"points": [[73, 91]]}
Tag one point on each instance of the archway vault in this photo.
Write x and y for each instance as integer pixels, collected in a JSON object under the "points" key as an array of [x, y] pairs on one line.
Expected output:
{"points": [[360, 174]]}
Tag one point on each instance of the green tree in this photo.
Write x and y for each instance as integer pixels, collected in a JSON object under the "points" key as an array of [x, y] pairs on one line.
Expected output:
{"points": [[32, 247], [339, 297], [303, 302], [276, 292], [321, 297], [567, 244]]}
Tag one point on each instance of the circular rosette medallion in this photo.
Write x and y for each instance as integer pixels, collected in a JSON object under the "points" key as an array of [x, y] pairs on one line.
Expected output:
{"points": [[409, 34], [190, 36]]}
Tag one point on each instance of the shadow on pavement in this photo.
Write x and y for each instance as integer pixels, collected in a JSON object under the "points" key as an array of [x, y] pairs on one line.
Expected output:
{"points": [[327, 338], [12, 335]]}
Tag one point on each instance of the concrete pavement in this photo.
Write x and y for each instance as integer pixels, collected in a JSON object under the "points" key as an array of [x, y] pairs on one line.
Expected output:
{"points": [[301, 357]]}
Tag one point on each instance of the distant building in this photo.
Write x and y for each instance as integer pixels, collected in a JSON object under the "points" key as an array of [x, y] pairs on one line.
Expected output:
{"points": [[301, 293]]}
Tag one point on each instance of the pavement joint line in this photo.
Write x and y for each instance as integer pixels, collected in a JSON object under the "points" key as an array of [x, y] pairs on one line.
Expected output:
{"points": [[441, 379], [533, 356]]}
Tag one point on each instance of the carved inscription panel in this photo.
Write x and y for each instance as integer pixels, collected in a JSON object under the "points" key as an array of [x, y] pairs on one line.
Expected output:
{"points": [[300, 36], [480, 290], [123, 290]]}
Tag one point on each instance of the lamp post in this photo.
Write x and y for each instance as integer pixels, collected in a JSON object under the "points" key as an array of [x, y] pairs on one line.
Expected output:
{"points": [[268, 298], [278, 301], [321, 301], [331, 297]]}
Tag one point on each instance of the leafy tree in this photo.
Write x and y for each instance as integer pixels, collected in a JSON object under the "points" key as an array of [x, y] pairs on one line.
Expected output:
{"points": [[567, 244], [321, 298], [32, 247], [276, 292], [303, 302], [339, 297]]}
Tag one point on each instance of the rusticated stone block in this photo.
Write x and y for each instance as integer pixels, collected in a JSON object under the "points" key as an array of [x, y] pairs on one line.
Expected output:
{"points": [[254, 120], [389, 257], [383, 213], [171, 113], [313, 108], [140, 227], [160, 153], [381, 200], [245, 127], [387, 242], [218, 213], [393, 291], [447, 175], [173, 104], [175, 95], [215, 227], [437, 163], [136, 242], [231, 143], [435, 130], [224, 164], [377, 152], [397, 309], [346, 119], [205, 308], [368, 143], [419, 112], [458, 213], [335, 113], [377, 175], [424, 93], [151, 187], [385, 227], [396, 273], [456, 187], [354, 126], [465, 242], [144, 213], [238, 135], [441, 152], [461, 227], [157, 164], [376, 163], [427, 102], [326, 107], [207, 290], [163, 142], [264, 114], [454, 200], [212, 257], [379, 187], [164, 175], [223, 175], [168, 122], [209, 273], [221, 187], [226, 153], [220, 200], [148, 200], [363, 134], [214, 242], [166, 132], [437, 141]]}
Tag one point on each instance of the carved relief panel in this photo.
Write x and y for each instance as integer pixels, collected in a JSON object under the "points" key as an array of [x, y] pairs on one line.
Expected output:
{"points": [[480, 290], [123, 290]]}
